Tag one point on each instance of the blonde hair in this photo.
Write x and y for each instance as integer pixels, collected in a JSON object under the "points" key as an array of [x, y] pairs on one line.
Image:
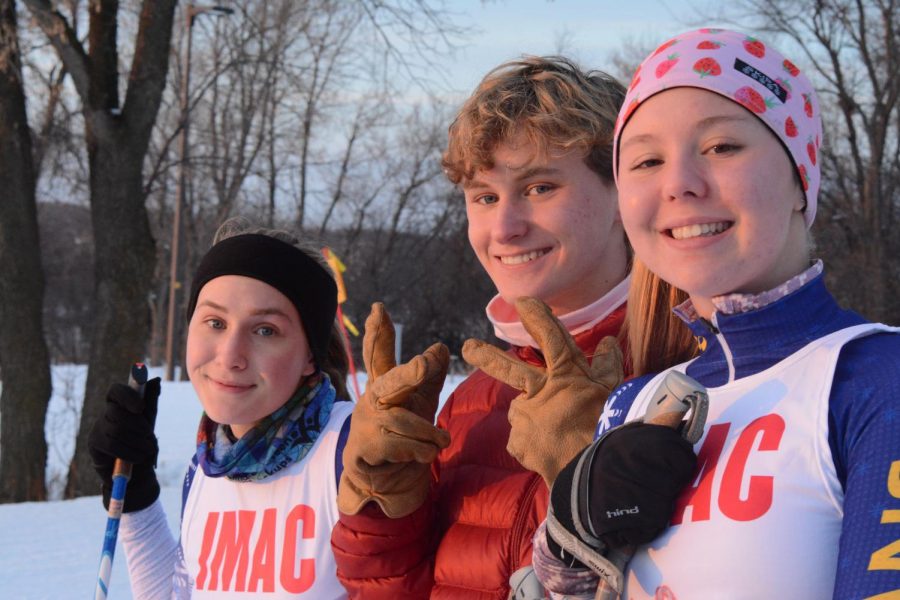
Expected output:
{"points": [[657, 339], [549, 100], [335, 362]]}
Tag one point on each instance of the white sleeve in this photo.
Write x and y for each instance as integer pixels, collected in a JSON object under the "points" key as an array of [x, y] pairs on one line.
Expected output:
{"points": [[150, 551]]}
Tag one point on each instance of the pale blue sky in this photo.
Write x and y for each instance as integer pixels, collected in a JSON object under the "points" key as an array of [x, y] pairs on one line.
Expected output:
{"points": [[505, 29]]}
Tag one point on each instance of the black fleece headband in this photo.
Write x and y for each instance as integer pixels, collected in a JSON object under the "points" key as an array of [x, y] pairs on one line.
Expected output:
{"points": [[306, 283]]}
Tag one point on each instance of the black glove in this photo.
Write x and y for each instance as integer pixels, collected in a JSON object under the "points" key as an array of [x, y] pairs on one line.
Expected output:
{"points": [[626, 488], [125, 430]]}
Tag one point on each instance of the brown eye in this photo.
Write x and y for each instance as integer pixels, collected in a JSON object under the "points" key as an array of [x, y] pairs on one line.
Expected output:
{"points": [[646, 164], [723, 148]]}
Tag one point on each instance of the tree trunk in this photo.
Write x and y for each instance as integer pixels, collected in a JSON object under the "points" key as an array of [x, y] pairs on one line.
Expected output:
{"points": [[24, 362], [123, 270], [117, 136]]}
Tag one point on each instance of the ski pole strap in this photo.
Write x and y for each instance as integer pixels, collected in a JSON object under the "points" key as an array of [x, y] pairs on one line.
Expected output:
{"points": [[581, 495], [676, 396], [608, 568]]}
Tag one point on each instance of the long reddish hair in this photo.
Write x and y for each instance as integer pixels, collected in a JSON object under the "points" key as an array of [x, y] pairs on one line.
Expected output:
{"points": [[656, 337]]}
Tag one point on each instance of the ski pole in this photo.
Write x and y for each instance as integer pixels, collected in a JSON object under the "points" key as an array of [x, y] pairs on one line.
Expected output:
{"points": [[121, 474]]}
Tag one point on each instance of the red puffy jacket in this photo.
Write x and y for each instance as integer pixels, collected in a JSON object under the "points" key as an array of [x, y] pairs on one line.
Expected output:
{"points": [[476, 528]]}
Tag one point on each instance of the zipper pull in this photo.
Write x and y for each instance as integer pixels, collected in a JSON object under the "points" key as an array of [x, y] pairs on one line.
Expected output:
{"points": [[709, 325]]}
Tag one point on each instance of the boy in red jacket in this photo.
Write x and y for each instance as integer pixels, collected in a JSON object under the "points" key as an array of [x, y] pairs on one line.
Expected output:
{"points": [[424, 514]]}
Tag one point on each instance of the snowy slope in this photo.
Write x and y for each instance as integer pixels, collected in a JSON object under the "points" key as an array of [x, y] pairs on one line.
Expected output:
{"points": [[51, 550]]}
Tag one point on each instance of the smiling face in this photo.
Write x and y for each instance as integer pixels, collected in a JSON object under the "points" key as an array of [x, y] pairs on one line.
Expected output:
{"points": [[247, 351], [545, 226], [710, 200]]}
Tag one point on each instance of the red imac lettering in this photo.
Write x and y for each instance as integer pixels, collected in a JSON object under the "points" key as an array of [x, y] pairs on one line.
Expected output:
{"points": [[234, 556], [264, 558], [769, 429], [699, 498], [759, 494], [209, 534], [233, 548], [290, 580]]}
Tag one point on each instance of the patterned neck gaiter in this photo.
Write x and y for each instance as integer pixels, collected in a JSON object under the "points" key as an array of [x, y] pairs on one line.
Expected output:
{"points": [[278, 441]]}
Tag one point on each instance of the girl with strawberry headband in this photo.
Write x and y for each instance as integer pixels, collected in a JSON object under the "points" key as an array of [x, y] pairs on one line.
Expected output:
{"points": [[797, 486]]}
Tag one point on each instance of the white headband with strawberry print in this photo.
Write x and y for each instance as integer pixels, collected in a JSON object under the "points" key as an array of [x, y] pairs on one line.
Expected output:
{"points": [[747, 71]]}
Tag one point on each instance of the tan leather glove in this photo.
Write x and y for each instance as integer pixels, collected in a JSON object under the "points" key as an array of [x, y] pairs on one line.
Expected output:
{"points": [[392, 439], [557, 412]]}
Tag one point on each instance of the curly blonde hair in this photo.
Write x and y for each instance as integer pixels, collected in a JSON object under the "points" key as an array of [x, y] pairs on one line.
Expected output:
{"points": [[556, 105]]}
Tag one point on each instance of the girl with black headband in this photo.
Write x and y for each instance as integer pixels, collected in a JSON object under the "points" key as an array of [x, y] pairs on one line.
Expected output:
{"points": [[259, 498]]}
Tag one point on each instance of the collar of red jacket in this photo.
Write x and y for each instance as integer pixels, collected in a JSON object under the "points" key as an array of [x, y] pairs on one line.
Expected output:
{"points": [[509, 328]]}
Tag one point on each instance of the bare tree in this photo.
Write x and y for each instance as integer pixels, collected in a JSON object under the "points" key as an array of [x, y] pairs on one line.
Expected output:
{"points": [[368, 114], [299, 115], [852, 53], [327, 44], [288, 103], [117, 135], [23, 353]]}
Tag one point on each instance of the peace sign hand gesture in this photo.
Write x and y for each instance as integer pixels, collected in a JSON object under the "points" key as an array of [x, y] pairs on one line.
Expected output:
{"points": [[392, 439], [557, 412]]}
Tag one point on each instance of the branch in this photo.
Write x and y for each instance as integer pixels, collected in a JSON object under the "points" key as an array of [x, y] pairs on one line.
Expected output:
{"points": [[149, 66], [63, 38], [103, 52], [42, 138], [342, 173], [415, 23], [859, 35]]}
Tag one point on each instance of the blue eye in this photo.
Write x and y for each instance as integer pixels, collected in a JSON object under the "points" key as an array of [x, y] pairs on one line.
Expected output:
{"points": [[265, 331], [215, 324], [486, 199], [540, 188]]}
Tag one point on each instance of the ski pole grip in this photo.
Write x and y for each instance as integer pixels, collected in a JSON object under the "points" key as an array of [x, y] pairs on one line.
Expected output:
{"points": [[137, 378]]}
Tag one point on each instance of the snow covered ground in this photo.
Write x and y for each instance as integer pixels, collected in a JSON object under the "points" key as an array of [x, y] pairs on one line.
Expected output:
{"points": [[51, 550]]}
